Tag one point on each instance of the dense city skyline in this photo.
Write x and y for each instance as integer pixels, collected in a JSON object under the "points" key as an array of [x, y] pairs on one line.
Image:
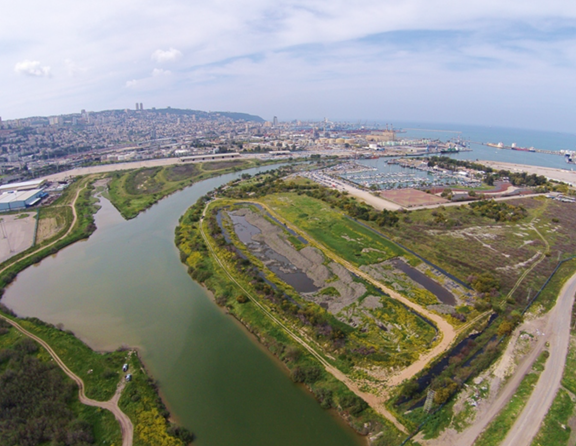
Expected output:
{"points": [[483, 63]]}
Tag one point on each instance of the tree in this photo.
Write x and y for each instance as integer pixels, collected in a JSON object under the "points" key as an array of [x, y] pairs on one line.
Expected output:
{"points": [[505, 328]]}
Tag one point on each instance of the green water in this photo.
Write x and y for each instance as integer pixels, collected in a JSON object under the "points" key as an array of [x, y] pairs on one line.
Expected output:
{"points": [[126, 285]]}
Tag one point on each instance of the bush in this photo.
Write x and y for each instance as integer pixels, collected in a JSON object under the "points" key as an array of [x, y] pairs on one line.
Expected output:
{"points": [[353, 404], [242, 299]]}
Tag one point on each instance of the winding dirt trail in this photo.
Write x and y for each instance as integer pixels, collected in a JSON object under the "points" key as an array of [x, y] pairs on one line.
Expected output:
{"points": [[111, 405], [446, 332], [376, 402], [74, 220]]}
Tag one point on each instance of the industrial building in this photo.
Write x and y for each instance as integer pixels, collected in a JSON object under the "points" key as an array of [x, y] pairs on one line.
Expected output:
{"points": [[14, 200], [26, 185]]}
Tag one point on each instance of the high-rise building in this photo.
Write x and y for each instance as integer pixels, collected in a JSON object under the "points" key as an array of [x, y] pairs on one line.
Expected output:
{"points": [[141, 106], [137, 106], [275, 121]]}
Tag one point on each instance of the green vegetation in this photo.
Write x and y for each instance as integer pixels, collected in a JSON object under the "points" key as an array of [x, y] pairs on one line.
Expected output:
{"points": [[495, 433], [342, 235], [133, 191], [554, 429], [140, 401], [39, 403], [498, 210], [101, 373], [304, 368]]}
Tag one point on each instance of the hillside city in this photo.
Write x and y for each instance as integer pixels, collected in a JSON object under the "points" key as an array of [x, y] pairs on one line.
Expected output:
{"points": [[38, 146]]}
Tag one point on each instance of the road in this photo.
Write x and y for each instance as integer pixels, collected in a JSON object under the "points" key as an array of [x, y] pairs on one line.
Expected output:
{"points": [[528, 423], [111, 405], [557, 333], [74, 219]]}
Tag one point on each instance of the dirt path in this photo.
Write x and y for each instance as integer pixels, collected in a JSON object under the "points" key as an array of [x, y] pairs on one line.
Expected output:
{"points": [[447, 333], [528, 423], [74, 219], [111, 405], [374, 401], [556, 331]]}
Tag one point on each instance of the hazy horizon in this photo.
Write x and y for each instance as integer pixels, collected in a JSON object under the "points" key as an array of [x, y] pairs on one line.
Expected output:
{"points": [[481, 63]]}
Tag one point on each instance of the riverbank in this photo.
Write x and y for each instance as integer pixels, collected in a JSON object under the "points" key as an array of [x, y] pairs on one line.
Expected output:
{"points": [[303, 365], [101, 372], [134, 191], [95, 368], [186, 342], [78, 197]]}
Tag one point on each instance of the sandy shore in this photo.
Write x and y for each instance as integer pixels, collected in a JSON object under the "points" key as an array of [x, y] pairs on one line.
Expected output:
{"points": [[567, 176]]}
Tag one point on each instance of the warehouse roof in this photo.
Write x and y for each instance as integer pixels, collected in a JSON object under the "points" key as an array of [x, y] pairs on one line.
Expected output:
{"points": [[32, 184], [10, 197]]}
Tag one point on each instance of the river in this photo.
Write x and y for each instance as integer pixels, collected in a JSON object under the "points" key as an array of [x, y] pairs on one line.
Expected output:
{"points": [[126, 285]]}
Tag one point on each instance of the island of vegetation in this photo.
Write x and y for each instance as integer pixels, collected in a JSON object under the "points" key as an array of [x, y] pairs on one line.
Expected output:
{"points": [[384, 315]]}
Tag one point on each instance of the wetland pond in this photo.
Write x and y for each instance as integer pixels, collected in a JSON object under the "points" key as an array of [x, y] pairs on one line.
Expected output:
{"points": [[276, 262], [126, 285], [443, 295]]}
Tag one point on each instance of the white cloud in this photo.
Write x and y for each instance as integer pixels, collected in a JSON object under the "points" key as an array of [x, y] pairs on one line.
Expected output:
{"points": [[160, 72], [158, 78], [32, 68], [72, 68], [260, 55], [170, 55]]}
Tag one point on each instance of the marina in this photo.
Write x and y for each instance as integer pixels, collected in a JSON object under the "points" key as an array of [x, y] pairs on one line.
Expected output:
{"points": [[399, 174]]}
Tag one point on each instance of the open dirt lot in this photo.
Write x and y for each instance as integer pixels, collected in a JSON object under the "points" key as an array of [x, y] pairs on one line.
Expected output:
{"points": [[567, 176], [411, 197], [16, 233]]}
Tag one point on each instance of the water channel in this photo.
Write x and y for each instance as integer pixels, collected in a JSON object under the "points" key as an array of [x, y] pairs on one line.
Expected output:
{"points": [[126, 285]]}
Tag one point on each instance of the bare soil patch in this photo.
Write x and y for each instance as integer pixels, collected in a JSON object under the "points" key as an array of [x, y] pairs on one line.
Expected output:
{"points": [[16, 233], [47, 228], [411, 197]]}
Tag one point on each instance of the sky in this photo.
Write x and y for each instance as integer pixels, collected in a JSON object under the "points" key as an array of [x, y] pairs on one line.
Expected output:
{"points": [[509, 63]]}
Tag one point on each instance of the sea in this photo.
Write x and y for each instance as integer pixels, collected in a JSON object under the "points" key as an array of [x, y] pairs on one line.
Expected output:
{"points": [[477, 136]]}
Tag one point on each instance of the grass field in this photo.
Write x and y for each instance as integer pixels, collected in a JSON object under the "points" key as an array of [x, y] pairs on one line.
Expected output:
{"points": [[53, 221], [350, 240], [467, 244], [554, 429], [133, 191]]}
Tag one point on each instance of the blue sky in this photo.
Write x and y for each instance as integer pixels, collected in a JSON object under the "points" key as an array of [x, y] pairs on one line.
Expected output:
{"points": [[510, 63]]}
